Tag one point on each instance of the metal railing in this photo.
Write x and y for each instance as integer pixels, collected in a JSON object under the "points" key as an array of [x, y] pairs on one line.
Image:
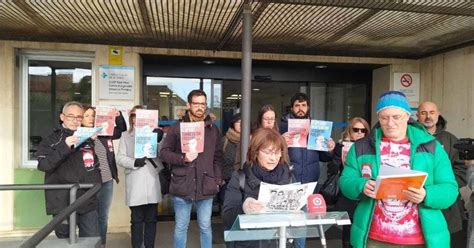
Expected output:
{"points": [[68, 211]]}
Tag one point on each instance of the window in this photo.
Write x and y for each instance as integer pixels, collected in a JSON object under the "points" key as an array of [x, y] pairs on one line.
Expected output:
{"points": [[48, 82], [170, 95]]}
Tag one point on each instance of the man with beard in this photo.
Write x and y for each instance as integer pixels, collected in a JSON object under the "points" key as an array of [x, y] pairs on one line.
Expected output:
{"points": [[63, 163], [196, 177], [397, 141], [429, 115], [305, 162]]}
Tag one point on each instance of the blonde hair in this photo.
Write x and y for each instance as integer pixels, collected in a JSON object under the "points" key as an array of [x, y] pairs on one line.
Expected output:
{"points": [[346, 135]]}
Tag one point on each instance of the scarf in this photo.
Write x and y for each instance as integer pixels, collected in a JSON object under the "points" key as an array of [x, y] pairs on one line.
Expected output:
{"points": [[233, 136], [273, 176]]}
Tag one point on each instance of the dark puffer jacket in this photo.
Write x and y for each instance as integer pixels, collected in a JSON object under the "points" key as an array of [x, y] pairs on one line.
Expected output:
{"points": [[305, 162], [455, 214], [201, 178], [64, 165], [234, 198]]}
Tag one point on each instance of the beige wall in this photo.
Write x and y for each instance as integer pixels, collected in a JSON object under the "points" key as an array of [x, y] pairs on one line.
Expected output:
{"points": [[381, 82], [448, 80], [437, 74], [7, 97]]}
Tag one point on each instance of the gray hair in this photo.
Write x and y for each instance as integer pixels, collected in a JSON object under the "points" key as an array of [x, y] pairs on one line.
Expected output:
{"points": [[72, 103]]}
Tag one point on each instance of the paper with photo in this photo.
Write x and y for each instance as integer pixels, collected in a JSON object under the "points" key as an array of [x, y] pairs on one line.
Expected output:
{"points": [[83, 133], [105, 118], [298, 130], [146, 141], [192, 136], [285, 198], [319, 135], [146, 118]]}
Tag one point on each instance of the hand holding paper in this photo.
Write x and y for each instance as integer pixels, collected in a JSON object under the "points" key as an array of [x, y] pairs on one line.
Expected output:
{"points": [[71, 140], [190, 156], [252, 206], [369, 188], [415, 195]]}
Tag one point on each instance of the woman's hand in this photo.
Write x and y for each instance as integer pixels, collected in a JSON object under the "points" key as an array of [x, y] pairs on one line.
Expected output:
{"points": [[369, 189], [252, 206], [331, 145], [415, 195]]}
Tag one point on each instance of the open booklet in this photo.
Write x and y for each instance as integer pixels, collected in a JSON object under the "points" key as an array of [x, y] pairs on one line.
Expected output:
{"points": [[83, 133], [391, 181], [285, 198]]}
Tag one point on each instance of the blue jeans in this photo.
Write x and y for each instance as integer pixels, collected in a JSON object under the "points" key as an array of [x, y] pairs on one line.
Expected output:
{"points": [[182, 211], [104, 198]]}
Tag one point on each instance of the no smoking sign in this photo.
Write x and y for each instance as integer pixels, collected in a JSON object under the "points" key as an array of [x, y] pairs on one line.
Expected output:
{"points": [[406, 80]]}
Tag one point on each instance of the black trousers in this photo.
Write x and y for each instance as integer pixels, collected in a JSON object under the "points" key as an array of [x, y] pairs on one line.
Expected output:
{"points": [[143, 220], [88, 224]]}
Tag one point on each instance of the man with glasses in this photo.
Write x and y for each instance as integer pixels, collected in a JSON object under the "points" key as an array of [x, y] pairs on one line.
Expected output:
{"points": [[397, 141], [65, 164], [430, 117], [305, 162], [196, 177]]}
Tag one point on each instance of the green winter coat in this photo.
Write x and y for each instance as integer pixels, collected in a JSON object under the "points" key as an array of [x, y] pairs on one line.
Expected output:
{"points": [[426, 155]]}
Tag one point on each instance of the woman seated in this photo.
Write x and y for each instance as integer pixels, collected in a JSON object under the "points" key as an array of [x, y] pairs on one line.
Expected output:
{"points": [[267, 161]]}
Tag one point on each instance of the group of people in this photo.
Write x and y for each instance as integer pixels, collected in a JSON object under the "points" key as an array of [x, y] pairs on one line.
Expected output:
{"points": [[396, 140]]}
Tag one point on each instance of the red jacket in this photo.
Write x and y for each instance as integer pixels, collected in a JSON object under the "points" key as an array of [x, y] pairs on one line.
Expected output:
{"points": [[201, 178]]}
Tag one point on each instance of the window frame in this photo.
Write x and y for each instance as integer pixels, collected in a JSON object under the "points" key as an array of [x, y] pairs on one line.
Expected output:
{"points": [[24, 57]]}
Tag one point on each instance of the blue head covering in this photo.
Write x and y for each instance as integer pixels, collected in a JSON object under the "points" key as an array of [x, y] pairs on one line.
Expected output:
{"points": [[393, 99]]}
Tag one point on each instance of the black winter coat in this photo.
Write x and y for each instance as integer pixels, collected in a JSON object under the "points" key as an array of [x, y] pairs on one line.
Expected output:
{"points": [[120, 126], [455, 214], [234, 199], [336, 166], [65, 165], [201, 178]]}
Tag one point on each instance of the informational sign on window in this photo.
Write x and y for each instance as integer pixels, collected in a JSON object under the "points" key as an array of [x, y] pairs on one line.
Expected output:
{"points": [[116, 82], [409, 84]]}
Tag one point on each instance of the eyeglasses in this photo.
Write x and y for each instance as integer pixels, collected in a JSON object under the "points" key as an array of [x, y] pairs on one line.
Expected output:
{"points": [[268, 119], [356, 130], [72, 117], [199, 104], [270, 153]]}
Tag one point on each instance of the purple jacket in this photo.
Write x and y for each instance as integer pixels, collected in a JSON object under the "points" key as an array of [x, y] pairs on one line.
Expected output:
{"points": [[201, 178]]}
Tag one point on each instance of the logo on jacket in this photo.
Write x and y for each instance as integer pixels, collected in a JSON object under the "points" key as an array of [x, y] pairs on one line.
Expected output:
{"points": [[367, 170], [88, 159]]}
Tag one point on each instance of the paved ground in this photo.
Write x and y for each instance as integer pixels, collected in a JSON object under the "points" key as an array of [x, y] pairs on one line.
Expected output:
{"points": [[164, 237]]}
